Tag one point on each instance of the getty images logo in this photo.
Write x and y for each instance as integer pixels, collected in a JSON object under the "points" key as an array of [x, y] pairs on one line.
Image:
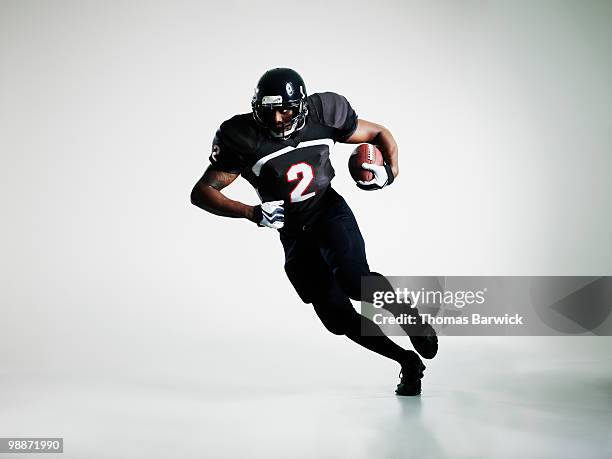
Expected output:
{"points": [[423, 297]]}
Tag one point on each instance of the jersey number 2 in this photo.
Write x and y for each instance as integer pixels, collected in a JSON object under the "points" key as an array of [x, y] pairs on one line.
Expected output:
{"points": [[305, 171]]}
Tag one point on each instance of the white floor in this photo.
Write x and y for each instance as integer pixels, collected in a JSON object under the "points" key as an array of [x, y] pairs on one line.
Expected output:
{"points": [[482, 398]]}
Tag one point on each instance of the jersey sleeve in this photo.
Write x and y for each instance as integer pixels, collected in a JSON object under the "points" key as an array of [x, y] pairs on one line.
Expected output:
{"points": [[225, 155], [336, 112]]}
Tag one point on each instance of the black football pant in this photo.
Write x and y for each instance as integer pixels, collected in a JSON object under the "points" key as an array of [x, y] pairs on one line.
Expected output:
{"points": [[325, 262]]}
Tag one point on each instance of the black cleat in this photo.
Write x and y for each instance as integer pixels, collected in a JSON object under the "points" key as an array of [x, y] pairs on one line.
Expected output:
{"points": [[410, 376], [426, 342]]}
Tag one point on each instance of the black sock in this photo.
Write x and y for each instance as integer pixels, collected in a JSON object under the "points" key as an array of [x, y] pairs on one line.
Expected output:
{"points": [[366, 333]]}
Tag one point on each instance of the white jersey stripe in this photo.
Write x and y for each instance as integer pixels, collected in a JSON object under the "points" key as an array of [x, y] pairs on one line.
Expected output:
{"points": [[309, 143]]}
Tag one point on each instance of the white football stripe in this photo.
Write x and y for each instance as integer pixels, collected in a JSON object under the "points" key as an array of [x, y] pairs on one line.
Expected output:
{"points": [[309, 143]]}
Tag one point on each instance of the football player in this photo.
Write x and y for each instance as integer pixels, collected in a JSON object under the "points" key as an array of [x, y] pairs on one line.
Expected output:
{"points": [[282, 147]]}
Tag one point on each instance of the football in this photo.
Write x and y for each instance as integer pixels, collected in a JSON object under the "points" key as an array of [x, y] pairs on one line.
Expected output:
{"points": [[364, 153]]}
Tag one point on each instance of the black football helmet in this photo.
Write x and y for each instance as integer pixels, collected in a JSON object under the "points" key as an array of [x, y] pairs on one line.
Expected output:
{"points": [[280, 88]]}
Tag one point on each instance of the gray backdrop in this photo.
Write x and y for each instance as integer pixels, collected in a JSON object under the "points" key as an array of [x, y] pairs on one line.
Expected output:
{"points": [[503, 116]]}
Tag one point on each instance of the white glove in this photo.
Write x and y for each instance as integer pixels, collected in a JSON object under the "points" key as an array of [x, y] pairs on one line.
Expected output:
{"points": [[270, 214], [382, 177]]}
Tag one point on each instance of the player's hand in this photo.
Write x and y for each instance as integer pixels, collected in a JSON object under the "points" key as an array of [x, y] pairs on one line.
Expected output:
{"points": [[270, 214], [383, 176]]}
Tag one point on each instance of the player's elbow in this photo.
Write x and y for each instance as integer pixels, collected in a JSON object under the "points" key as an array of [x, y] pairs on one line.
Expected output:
{"points": [[385, 133], [196, 196]]}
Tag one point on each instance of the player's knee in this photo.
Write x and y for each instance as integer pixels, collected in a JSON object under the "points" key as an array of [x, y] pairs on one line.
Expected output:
{"points": [[335, 327], [334, 323], [337, 319]]}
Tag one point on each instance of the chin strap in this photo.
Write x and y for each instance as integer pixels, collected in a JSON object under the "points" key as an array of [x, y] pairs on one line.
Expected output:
{"points": [[284, 134], [296, 126]]}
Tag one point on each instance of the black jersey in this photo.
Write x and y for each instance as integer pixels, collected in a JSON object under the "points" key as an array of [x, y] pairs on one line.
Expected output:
{"points": [[296, 170]]}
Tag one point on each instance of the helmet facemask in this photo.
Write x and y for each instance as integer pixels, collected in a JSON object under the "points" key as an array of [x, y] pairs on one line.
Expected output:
{"points": [[265, 115]]}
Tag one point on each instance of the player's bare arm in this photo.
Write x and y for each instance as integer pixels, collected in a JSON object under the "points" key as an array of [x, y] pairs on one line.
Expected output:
{"points": [[368, 132], [206, 194]]}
